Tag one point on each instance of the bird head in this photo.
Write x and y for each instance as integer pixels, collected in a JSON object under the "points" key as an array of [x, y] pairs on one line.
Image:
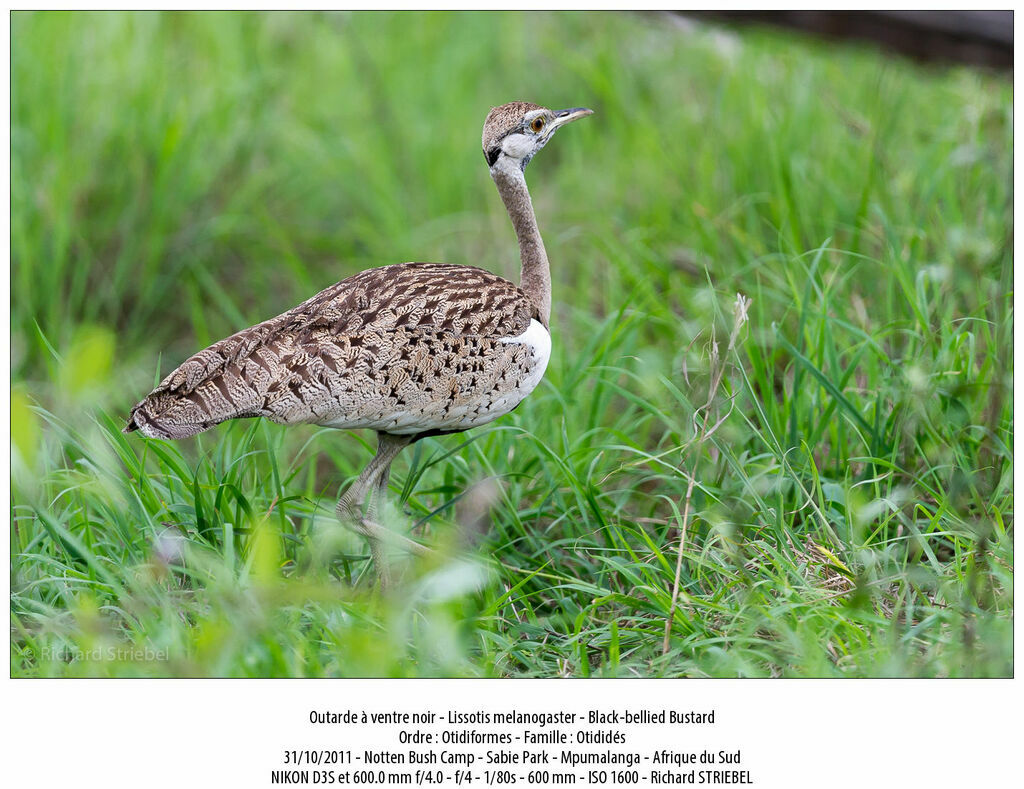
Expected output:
{"points": [[514, 132]]}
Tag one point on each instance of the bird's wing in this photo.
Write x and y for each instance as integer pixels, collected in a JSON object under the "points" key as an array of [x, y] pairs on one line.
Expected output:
{"points": [[247, 373]]}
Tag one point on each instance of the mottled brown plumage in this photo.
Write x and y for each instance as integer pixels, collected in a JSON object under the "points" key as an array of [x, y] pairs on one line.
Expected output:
{"points": [[402, 349], [408, 350]]}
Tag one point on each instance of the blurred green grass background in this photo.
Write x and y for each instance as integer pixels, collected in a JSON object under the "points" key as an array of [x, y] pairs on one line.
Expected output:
{"points": [[178, 176]]}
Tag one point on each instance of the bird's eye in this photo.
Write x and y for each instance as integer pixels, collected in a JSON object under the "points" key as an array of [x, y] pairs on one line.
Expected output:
{"points": [[537, 124]]}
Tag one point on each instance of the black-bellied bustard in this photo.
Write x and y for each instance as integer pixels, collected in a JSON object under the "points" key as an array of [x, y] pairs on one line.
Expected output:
{"points": [[409, 350]]}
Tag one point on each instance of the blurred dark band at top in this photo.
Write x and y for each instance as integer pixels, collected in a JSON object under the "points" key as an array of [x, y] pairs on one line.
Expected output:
{"points": [[977, 38]]}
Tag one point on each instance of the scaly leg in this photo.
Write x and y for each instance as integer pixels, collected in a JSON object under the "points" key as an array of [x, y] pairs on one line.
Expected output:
{"points": [[360, 515]]}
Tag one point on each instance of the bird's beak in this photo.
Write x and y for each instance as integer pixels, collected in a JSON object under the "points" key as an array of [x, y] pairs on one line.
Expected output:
{"points": [[563, 117]]}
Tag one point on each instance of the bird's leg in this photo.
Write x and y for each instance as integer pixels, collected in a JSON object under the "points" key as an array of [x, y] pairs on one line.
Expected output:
{"points": [[373, 481], [370, 522], [369, 526], [380, 490]]}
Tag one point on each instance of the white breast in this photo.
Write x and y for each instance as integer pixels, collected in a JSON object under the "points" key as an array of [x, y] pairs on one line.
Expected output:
{"points": [[538, 340]]}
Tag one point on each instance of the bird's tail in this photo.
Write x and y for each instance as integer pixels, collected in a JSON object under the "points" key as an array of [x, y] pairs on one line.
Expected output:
{"points": [[161, 416], [228, 380]]}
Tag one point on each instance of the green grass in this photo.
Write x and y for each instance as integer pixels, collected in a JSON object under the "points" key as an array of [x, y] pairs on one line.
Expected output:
{"points": [[176, 177]]}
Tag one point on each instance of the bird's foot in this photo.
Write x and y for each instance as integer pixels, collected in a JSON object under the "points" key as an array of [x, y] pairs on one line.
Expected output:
{"points": [[372, 530], [351, 514]]}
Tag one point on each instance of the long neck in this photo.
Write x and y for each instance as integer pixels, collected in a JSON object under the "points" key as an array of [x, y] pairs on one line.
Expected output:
{"points": [[535, 279]]}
